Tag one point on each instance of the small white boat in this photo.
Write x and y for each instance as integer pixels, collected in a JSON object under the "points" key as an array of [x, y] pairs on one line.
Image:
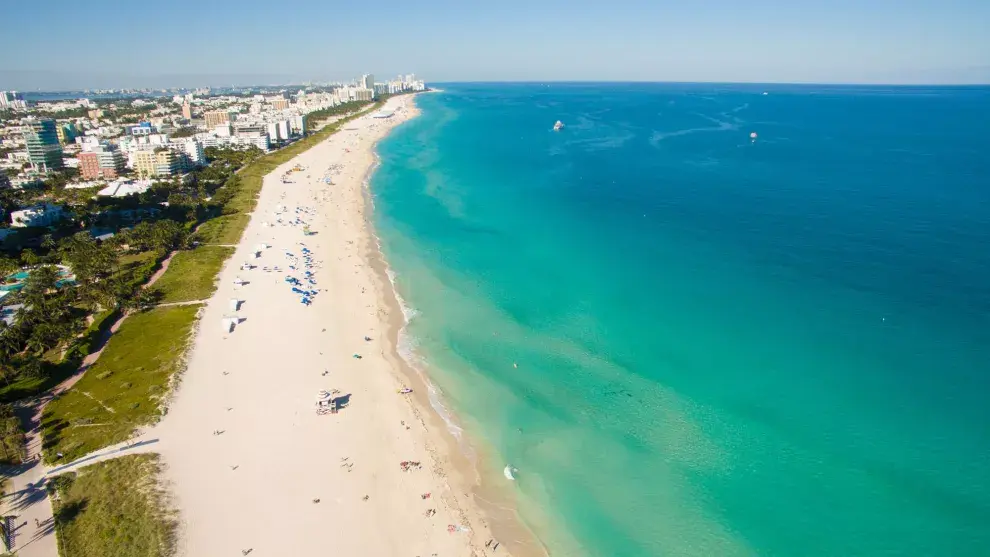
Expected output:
{"points": [[510, 472], [558, 126]]}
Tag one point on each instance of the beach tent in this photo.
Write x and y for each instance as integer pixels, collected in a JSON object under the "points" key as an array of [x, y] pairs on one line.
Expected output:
{"points": [[238, 281], [235, 304], [228, 324]]}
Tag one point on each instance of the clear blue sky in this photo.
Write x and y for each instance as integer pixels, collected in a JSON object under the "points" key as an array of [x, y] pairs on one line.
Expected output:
{"points": [[116, 43]]}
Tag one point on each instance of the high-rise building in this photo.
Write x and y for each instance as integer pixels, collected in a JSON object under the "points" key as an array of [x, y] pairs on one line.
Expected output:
{"points": [[300, 124], [187, 110], [368, 81], [112, 162], [89, 166], [194, 153], [44, 151], [11, 99], [66, 133], [280, 104], [217, 117]]}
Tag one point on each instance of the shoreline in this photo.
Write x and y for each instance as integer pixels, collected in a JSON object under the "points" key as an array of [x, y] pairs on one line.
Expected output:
{"points": [[495, 507], [271, 460]]}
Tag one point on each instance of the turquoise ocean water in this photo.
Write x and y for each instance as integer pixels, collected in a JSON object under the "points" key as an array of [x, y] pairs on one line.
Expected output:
{"points": [[691, 343]]}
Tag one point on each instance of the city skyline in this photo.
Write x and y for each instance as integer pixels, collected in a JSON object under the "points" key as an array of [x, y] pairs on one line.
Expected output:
{"points": [[763, 41]]}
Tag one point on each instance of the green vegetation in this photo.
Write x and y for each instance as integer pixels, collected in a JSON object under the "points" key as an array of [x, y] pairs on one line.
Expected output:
{"points": [[49, 317], [115, 507], [225, 229], [124, 389], [192, 274], [12, 450], [231, 158], [321, 115], [77, 112], [159, 236], [135, 268], [49, 336], [33, 377], [187, 131]]}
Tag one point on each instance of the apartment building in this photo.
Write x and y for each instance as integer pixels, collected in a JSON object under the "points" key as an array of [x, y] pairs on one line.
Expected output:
{"points": [[218, 117], [157, 163], [102, 162]]}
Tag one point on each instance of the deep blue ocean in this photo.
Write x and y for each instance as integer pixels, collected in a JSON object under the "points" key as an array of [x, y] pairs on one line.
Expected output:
{"points": [[693, 343]]}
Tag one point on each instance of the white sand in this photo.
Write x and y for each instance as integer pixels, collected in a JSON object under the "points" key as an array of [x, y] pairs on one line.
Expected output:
{"points": [[253, 486]]}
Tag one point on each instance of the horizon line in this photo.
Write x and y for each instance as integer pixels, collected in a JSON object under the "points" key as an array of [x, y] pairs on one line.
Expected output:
{"points": [[708, 82], [531, 82]]}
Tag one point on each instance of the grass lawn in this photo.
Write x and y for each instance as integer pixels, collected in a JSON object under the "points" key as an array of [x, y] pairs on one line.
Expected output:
{"points": [[132, 259], [115, 508], [225, 229], [123, 389], [192, 274]]}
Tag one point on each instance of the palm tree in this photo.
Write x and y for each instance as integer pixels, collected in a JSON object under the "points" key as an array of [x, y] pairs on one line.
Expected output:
{"points": [[28, 257], [39, 283]]}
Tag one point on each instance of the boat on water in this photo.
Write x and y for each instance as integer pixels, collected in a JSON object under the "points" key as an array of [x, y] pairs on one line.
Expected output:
{"points": [[558, 126], [510, 472]]}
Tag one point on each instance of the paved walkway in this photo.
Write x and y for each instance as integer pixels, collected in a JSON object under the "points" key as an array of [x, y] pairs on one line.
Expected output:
{"points": [[25, 504], [186, 303], [138, 445]]}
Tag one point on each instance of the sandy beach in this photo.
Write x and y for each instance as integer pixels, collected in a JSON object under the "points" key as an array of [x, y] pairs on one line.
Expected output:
{"points": [[253, 467]]}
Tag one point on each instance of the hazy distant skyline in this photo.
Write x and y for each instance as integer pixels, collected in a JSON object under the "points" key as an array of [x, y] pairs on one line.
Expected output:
{"points": [[57, 45]]}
